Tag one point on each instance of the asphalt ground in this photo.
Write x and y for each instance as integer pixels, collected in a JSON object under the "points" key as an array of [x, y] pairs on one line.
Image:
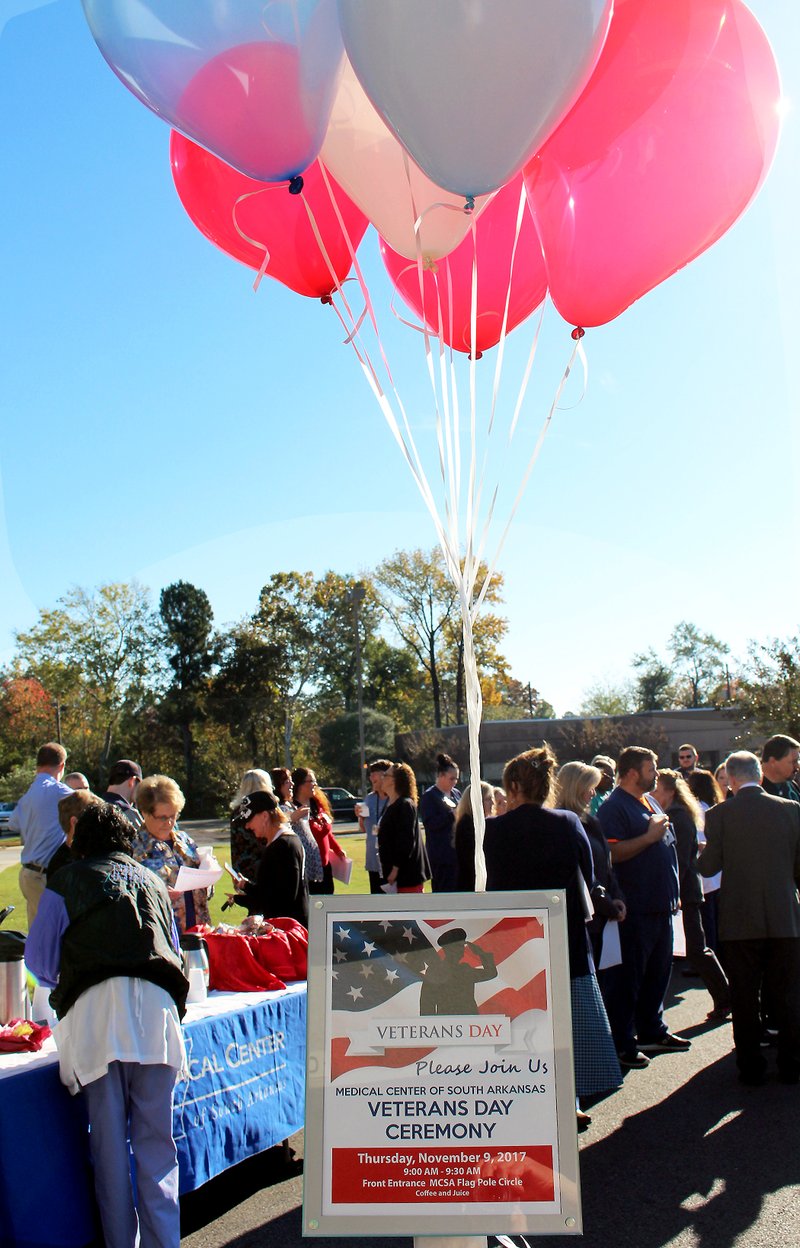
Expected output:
{"points": [[682, 1156]]}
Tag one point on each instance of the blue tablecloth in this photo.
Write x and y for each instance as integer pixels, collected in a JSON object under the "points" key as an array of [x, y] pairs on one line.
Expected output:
{"points": [[245, 1093]]}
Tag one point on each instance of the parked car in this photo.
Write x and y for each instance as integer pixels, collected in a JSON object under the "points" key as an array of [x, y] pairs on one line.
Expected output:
{"points": [[342, 802], [5, 814]]}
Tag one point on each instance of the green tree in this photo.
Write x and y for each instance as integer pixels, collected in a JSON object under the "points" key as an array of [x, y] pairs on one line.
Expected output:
{"points": [[699, 658], [339, 755], [188, 625], [420, 600], [654, 688], [423, 607], [394, 683], [245, 693], [100, 651], [605, 698], [768, 687], [289, 619]]}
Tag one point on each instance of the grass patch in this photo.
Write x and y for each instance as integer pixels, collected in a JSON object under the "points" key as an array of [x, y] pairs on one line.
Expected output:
{"points": [[11, 896], [353, 846]]}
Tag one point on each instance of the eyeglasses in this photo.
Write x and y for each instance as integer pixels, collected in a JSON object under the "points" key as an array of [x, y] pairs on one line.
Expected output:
{"points": [[686, 756], [164, 818]]}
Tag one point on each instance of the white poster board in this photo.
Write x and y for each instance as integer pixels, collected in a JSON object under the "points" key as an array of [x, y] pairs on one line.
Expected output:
{"points": [[440, 1085]]}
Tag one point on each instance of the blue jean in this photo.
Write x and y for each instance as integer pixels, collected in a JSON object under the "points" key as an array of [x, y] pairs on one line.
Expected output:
{"points": [[136, 1101], [634, 991]]}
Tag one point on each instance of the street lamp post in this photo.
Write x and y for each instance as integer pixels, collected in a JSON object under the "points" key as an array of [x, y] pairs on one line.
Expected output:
{"points": [[356, 596]]}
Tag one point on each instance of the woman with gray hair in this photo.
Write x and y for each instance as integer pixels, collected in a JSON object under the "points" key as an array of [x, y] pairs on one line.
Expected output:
{"points": [[162, 847], [246, 849]]}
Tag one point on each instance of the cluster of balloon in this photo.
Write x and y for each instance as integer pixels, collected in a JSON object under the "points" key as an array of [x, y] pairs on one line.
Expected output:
{"points": [[642, 128], [444, 301]]}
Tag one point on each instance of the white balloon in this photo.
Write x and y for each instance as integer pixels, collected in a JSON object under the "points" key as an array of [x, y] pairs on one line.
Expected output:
{"points": [[472, 88], [371, 165]]}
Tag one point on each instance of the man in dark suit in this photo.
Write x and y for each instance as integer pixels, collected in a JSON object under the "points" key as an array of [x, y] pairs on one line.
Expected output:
{"points": [[754, 839]]}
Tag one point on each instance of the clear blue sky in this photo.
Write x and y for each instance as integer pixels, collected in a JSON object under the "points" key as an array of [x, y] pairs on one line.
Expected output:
{"points": [[161, 421]]}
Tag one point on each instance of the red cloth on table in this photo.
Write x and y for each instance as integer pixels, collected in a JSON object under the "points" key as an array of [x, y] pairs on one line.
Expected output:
{"points": [[29, 1043], [239, 963]]}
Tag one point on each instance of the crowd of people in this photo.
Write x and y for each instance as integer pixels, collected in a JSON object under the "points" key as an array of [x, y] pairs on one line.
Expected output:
{"points": [[631, 844]]}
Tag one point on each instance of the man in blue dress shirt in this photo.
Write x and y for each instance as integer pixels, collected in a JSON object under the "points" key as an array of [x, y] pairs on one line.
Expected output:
{"points": [[35, 818]]}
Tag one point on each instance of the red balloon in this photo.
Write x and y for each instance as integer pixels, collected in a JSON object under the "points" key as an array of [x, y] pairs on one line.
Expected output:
{"points": [[210, 190], [663, 151], [495, 230]]}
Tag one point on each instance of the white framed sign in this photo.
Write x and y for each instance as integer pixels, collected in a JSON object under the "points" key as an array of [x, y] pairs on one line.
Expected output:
{"points": [[440, 1086]]}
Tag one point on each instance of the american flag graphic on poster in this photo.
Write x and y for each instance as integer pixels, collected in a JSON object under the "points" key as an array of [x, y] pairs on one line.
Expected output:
{"points": [[405, 967]]}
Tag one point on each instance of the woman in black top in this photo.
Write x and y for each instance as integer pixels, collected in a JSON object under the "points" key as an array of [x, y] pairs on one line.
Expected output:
{"points": [[279, 890], [537, 848], [402, 853], [437, 810]]}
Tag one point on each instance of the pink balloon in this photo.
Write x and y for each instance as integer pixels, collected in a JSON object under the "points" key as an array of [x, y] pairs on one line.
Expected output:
{"points": [[663, 151], [495, 230], [209, 190]]}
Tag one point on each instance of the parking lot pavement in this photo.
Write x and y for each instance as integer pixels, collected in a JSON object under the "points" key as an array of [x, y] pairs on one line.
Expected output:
{"points": [[682, 1156]]}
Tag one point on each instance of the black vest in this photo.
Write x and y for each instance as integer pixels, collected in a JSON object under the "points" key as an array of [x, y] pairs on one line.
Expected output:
{"points": [[120, 924]]}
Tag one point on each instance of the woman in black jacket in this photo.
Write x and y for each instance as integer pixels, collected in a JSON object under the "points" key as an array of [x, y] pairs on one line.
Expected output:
{"points": [[677, 800], [279, 889], [400, 846], [531, 847]]}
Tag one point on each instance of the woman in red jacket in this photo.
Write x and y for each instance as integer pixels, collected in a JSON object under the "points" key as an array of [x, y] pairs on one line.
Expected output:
{"points": [[320, 820]]}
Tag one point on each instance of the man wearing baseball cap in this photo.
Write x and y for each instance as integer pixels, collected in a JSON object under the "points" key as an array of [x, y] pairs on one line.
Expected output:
{"points": [[123, 779]]}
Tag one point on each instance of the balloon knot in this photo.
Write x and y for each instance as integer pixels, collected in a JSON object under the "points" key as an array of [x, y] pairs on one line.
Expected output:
{"points": [[296, 185], [477, 356], [326, 299], [429, 263], [577, 333], [469, 203]]}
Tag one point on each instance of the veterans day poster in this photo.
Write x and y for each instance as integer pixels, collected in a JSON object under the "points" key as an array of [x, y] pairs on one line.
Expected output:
{"points": [[440, 1081]]}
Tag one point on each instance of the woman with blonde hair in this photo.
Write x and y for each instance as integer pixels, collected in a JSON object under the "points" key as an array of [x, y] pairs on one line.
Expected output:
{"points": [[532, 847], [247, 849], [678, 802], [162, 847], [464, 834], [576, 788], [70, 810], [404, 859]]}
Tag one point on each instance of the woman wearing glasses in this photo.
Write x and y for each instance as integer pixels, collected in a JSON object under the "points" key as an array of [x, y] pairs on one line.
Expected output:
{"points": [[162, 847]]}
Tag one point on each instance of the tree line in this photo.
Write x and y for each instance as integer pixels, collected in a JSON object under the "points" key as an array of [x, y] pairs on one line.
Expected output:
{"points": [[698, 670], [112, 675]]}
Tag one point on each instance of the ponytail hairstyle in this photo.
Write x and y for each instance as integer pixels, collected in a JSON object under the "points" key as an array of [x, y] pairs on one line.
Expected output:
{"points": [[532, 775]]}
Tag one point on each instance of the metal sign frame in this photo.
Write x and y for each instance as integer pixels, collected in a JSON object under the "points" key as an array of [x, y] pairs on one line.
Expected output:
{"points": [[415, 1101]]}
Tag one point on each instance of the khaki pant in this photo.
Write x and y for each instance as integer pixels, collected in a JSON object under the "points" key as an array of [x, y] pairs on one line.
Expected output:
{"points": [[32, 884]]}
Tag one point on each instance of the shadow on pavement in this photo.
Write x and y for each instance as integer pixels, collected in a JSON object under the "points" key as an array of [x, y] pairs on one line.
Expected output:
{"points": [[698, 1164]]}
